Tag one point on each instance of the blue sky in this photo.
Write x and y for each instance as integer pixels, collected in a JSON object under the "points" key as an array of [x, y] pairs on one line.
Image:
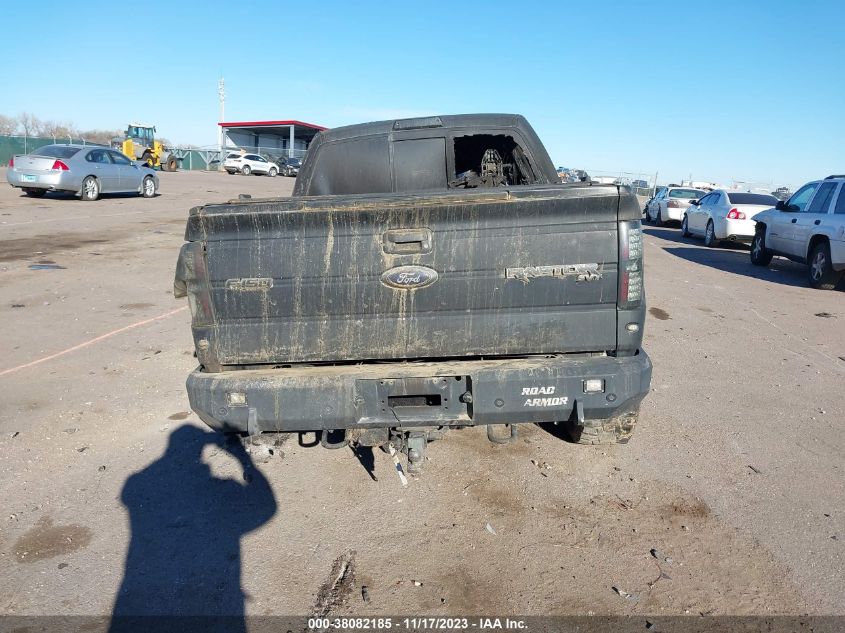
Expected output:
{"points": [[717, 90]]}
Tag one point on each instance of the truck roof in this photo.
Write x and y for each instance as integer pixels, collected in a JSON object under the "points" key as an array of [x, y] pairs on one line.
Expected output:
{"points": [[444, 121]]}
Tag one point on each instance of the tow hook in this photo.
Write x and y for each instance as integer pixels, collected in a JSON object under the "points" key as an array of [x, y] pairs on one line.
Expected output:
{"points": [[325, 442]]}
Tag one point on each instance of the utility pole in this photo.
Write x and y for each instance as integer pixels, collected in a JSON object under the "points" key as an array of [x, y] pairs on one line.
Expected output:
{"points": [[221, 92]]}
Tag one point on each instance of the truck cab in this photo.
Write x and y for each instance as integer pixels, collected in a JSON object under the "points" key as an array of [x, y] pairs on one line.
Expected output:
{"points": [[425, 154]]}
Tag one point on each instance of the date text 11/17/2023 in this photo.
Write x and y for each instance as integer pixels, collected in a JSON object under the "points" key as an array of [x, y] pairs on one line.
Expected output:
{"points": [[416, 623]]}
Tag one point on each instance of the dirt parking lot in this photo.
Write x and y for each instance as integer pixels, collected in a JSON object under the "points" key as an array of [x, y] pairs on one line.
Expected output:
{"points": [[730, 499]]}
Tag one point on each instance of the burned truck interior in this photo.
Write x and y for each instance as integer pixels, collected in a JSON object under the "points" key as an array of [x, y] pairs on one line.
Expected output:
{"points": [[489, 160]]}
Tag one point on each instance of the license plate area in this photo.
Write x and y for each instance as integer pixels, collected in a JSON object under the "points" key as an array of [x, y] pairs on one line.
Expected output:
{"points": [[28, 178], [414, 401]]}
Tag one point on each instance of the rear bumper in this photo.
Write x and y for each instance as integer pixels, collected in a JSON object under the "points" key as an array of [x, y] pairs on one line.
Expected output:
{"points": [[458, 393], [675, 213], [53, 181], [738, 230]]}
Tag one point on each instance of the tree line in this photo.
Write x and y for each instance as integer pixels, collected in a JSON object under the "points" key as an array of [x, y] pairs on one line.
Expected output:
{"points": [[27, 124]]}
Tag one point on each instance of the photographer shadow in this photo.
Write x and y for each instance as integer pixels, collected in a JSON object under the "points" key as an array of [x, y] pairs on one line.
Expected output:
{"points": [[183, 566]]}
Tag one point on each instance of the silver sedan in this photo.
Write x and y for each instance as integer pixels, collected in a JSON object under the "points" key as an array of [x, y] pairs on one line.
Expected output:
{"points": [[80, 169]]}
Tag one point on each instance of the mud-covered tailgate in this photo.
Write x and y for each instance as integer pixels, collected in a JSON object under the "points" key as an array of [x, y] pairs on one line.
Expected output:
{"points": [[404, 276]]}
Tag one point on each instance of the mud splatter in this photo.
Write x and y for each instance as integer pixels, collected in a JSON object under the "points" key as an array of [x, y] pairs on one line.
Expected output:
{"points": [[181, 415], [48, 541], [659, 313]]}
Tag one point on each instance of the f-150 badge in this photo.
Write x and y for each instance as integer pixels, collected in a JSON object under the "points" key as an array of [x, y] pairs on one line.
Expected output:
{"points": [[409, 277], [250, 283], [581, 272]]}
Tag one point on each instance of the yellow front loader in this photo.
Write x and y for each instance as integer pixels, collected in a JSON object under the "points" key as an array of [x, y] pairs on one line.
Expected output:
{"points": [[139, 143]]}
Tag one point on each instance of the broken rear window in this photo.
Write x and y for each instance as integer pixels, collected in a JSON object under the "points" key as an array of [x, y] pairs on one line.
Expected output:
{"points": [[490, 160]]}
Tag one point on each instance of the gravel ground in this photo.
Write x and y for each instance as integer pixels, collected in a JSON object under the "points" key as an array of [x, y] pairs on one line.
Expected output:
{"points": [[730, 498]]}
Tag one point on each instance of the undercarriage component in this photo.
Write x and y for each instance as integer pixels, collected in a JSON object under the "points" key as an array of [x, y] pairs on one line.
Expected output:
{"points": [[371, 437], [615, 430], [416, 444], [498, 438], [329, 439], [413, 442]]}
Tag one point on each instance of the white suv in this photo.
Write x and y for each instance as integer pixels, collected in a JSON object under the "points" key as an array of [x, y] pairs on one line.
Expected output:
{"points": [[249, 164], [808, 228]]}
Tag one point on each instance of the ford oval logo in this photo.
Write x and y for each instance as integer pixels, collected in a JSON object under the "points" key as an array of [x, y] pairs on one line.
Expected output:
{"points": [[409, 277]]}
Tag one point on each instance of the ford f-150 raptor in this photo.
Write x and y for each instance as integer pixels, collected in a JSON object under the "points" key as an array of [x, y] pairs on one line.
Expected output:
{"points": [[426, 274]]}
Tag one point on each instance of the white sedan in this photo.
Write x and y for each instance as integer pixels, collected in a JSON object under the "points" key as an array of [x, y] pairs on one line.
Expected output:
{"points": [[670, 204], [247, 164], [725, 215]]}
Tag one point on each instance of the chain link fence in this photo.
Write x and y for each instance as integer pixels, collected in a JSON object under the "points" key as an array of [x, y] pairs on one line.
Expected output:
{"points": [[191, 158], [22, 144]]}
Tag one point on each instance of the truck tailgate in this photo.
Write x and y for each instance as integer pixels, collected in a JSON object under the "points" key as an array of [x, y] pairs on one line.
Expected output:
{"points": [[526, 271]]}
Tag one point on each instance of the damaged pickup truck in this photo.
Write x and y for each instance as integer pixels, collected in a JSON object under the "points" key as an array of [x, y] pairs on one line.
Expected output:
{"points": [[427, 274]]}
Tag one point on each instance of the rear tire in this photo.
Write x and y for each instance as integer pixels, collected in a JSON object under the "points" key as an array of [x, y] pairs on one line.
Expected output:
{"points": [[685, 227], [172, 164], [616, 430], [710, 240], [245, 170], [822, 275], [760, 255], [148, 187], [35, 193], [90, 189]]}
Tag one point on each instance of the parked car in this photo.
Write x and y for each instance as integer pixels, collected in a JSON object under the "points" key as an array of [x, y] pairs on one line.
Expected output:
{"points": [[671, 203], [247, 164], [657, 192], [80, 169], [465, 230], [290, 166], [725, 215], [809, 228]]}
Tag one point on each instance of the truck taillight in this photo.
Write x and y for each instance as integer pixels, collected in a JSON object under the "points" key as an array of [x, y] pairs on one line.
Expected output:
{"points": [[59, 166], [203, 312], [733, 214], [673, 204], [192, 280], [630, 264], [12, 161]]}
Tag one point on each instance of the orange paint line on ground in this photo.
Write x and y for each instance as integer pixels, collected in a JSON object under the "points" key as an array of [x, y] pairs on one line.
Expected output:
{"points": [[92, 341]]}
